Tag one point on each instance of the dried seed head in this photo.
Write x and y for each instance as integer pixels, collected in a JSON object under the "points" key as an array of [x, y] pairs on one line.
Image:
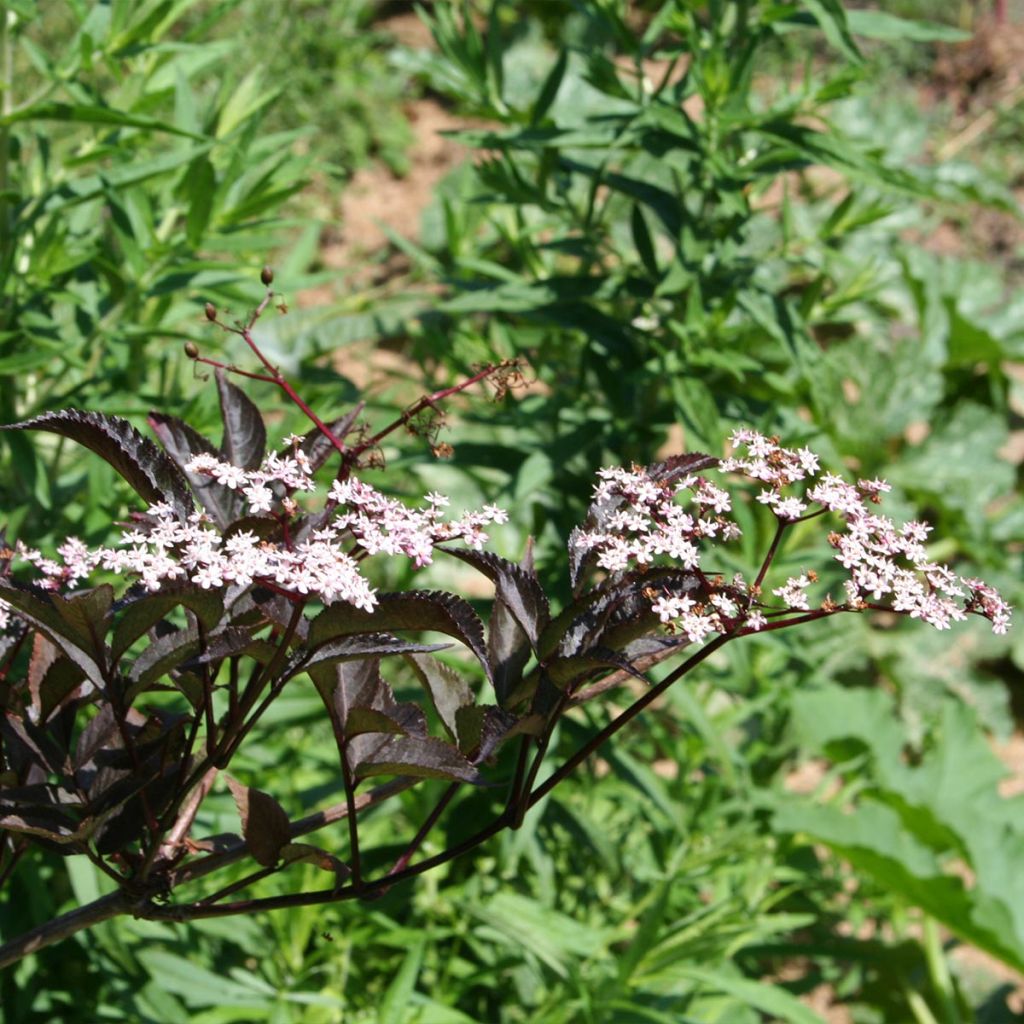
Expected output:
{"points": [[211, 311], [191, 350], [267, 276]]}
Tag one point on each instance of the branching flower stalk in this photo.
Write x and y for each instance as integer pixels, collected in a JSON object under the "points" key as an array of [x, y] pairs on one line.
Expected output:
{"points": [[124, 712]]}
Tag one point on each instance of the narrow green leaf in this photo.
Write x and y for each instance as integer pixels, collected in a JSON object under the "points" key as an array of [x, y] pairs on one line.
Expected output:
{"points": [[879, 25], [642, 241], [84, 113], [394, 1008], [768, 999], [831, 17], [200, 188]]}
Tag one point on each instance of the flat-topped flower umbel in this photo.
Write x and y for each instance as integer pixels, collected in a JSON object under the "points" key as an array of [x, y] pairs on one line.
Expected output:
{"points": [[359, 520], [888, 565]]}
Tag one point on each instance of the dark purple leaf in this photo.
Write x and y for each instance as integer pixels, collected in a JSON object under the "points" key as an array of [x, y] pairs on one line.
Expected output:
{"points": [[417, 609], [46, 823], [43, 794], [119, 779], [518, 588], [418, 756], [369, 723], [100, 733], [448, 690], [565, 673], [265, 825], [508, 651], [369, 720], [161, 656], [363, 645], [26, 746], [181, 443], [144, 611], [44, 654], [519, 616], [245, 436], [268, 606], [128, 823], [150, 472], [86, 615], [37, 608], [231, 641], [343, 685], [483, 728], [364, 706], [63, 680]]}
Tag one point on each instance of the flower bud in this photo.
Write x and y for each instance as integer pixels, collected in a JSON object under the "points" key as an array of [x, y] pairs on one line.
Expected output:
{"points": [[211, 311], [191, 350], [267, 276]]}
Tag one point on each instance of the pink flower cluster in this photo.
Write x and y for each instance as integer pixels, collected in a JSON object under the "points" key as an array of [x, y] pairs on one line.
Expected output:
{"points": [[888, 565], [386, 526], [649, 522], [162, 546]]}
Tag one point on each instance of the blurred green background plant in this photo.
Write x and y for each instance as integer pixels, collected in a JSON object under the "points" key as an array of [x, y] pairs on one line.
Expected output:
{"points": [[684, 216]]}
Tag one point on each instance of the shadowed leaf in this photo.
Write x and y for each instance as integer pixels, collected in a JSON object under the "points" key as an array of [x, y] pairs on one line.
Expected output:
{"points": [[40, 613], [364, 645], [483, 728], [417, 609], [265, 825], [245, 436], [419, 756], [448, 691], [181, 443], [146, 610]]}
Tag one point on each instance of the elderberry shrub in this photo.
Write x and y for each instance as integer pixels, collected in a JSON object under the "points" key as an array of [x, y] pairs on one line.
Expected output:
{"points": [[123, 710]]}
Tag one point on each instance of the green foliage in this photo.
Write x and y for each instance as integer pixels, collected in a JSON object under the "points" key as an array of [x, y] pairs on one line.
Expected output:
{"points": [[137, 177], [645, 228], [333, 62], [911, 825]]}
